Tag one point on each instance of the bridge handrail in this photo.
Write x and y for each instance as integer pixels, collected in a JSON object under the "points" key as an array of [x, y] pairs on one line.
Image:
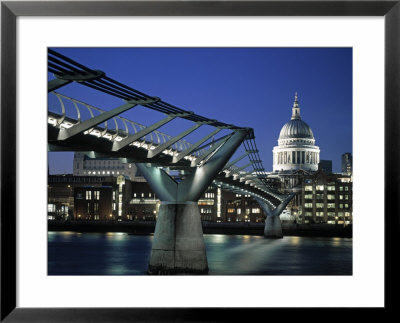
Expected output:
{"points": [[134, 124]]}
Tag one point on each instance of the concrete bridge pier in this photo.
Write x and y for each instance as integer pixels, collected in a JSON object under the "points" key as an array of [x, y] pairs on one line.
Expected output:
{"points": [[178, 245], [273, 225]]}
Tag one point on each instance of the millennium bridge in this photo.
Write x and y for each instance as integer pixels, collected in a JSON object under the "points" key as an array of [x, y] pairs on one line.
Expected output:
{"points": [[178, 245]]}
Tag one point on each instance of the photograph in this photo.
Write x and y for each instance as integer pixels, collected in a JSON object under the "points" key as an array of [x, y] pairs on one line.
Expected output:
{"points": [[200, 161]]}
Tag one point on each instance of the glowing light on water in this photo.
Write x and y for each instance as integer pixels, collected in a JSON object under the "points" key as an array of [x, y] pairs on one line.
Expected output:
{"points": [[295, 241], [219, 238]]}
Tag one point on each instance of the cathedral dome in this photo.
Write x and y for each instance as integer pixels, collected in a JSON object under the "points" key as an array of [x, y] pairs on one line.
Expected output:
{"points": [[296, 145], [296, 128]]}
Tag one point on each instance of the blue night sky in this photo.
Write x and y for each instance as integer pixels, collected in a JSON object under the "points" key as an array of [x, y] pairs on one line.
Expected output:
{"points": [[252, 87]]}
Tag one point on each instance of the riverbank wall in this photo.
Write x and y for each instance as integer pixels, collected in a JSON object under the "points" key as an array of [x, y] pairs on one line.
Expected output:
{"points": [[147, 227]]}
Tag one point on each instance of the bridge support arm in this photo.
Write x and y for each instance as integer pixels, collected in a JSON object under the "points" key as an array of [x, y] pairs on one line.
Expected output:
{"points": [[193, 147], [273, 225], [195, 184]]}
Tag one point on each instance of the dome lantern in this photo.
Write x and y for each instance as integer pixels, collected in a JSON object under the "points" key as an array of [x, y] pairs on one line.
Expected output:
{"points": [[296, 109]]}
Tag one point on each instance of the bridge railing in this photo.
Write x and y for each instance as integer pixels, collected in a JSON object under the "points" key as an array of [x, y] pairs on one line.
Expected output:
{"points": [[112, 131]]}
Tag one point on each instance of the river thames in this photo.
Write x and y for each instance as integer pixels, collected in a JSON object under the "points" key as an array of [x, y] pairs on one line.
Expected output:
{"points": [[73, 253]]}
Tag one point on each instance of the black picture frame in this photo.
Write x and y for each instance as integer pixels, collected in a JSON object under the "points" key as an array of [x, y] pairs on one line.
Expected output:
{"points": [[10, 10]]}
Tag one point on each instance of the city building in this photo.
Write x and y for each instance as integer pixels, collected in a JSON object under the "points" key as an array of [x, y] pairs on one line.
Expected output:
{"points": [[106, 201], [325, 166], [94, 203], [143, 204], [84, 165], [70, 196], [243, 208], [60, 193], [296, 148], [218, 205], [347, 163], [326, 198]]}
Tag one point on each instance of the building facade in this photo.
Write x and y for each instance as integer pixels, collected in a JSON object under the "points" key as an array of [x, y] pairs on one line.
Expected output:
{"points": [[143, 205], [93, 203], [326, 198], [83, 165], [60, 193], [347, 163], [218, 205]]}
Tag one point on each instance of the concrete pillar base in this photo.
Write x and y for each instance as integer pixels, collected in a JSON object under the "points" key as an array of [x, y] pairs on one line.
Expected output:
{"points": [[178, 245], [273, 227]]}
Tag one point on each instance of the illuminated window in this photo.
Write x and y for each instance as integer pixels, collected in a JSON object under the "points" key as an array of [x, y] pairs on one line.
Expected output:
{"points": [[331, 188], [319, 205], [247, 211], [239, 211], [96, 195], [308, 196], [346, 188], [231, 210], [88, 195], [319, 187], [51, 208], [330, 197], [308, 188], [331, 205], [255, 210], [308, 205]]}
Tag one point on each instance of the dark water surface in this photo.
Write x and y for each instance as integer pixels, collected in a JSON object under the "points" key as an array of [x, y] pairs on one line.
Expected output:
{"points": [[72, 253]]}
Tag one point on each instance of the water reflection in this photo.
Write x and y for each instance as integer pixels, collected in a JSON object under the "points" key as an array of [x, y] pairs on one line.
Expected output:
{"points": [[72, 253], [295, 241]]}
